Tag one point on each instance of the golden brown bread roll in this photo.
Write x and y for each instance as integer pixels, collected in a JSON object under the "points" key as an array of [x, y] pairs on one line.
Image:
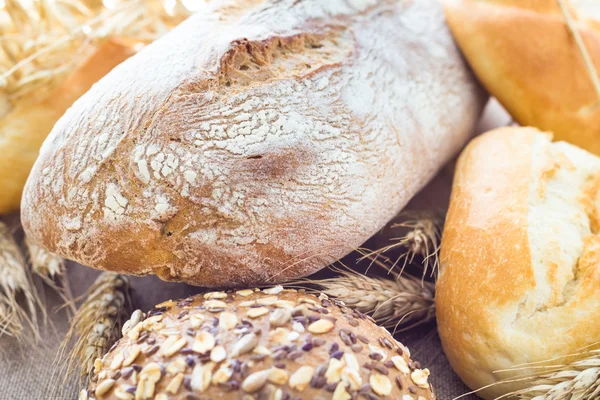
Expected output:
{"points": [[273, 344], [519, 279], [524, 54], [25, 125], [254, 144]]}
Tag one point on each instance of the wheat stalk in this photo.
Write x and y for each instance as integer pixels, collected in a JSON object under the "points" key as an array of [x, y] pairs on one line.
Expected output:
{"points": [[44, 263], [15, 285], [422, 240], [97, 324], [51, 269], [9, 319], [576, 380], [555, 379], [401, 302], [35, 40], [587, 59]]}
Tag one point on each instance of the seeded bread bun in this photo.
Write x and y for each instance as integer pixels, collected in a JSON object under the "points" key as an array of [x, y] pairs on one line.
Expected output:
{"points": [[519, 278], [254, 144], [273, 344]]}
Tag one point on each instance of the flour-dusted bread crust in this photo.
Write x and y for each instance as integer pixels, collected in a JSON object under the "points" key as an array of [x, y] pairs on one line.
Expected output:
{"points": [[271, 345], [519, 279], [255, 143]]}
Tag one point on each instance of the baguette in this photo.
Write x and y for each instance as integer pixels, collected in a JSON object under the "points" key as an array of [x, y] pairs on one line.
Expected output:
{"points": [[525, 55], [254, 144]]}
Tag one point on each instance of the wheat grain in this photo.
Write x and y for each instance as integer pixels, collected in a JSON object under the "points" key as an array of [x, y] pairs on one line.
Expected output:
{"points": [[401, 302], [15, 285], [422, 240], [97, 324], [43, 262]]}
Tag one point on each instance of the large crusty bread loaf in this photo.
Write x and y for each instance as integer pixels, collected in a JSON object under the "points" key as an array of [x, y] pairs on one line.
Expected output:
{"points": [[256, 143], [519, 280], [524, 54]]}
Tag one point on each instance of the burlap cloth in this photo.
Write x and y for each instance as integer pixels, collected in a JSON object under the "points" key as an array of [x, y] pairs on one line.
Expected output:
{"points": [[28, 372]]}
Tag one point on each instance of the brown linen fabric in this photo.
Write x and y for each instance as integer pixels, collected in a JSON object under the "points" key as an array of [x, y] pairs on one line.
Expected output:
{"points": [[28, 372]]}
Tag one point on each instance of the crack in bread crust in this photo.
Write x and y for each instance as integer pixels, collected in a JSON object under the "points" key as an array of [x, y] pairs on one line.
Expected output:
{"points": [[563, 199], [298, 56]]}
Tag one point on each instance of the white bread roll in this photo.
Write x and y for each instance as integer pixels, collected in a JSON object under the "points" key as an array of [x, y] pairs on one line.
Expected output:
{"points": [[254, 144], [270, 345], [519, 280]]}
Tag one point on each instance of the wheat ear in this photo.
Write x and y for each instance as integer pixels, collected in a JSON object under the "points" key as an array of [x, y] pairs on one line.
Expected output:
{"points": [[16, 285], [422, 240], [401, 303], [577, 380], [42, 41], [52, 269], [97, 324]]}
